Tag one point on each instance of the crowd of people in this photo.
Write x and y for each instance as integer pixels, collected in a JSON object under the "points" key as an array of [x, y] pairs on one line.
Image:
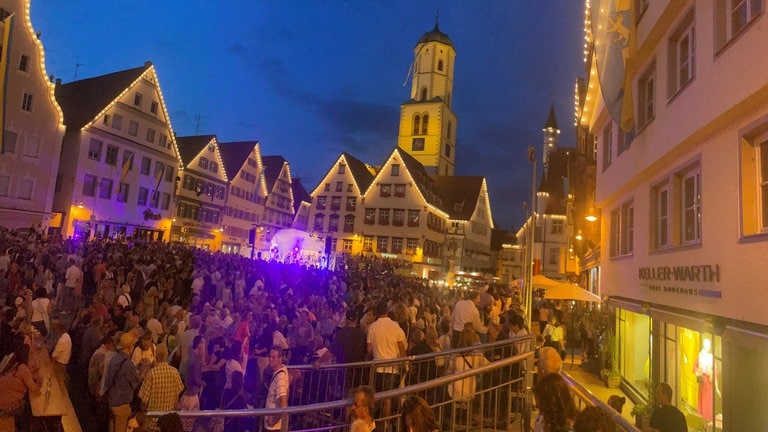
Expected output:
{"points": [[153, 326]]}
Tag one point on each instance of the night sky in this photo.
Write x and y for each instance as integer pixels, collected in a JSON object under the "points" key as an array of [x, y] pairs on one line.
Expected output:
{"points": [[310, 79]]}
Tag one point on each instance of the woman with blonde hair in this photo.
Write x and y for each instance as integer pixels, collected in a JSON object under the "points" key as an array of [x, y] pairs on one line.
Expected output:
{"points": [[417, 416]]}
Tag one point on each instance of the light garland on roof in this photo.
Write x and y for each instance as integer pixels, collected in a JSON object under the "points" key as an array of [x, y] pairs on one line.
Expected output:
{"points": [[51, 86]]}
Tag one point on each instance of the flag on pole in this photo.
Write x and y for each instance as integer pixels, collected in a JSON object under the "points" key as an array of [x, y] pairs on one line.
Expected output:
{"points": [[6, 52], [159, 176], [127, 163]]}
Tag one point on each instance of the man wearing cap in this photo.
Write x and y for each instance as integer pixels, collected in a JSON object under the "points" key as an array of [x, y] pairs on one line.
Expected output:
{"points": [[120, 383]]}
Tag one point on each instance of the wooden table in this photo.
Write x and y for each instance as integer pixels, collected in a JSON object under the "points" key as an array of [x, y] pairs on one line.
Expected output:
{"points": [[48, 405]]}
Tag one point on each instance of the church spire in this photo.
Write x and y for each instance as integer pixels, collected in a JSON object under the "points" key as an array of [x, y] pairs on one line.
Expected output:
{"points": [[551, 137]]}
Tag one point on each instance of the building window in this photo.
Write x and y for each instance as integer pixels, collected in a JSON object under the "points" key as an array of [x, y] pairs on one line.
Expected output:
{"points": [[32, 147], [89, 185], [413, 218], [137, 99], [318, 225], [153, 107], [24, 189], [440, 65], [448, 150], [351, 203], [646, 96], [690, 200], [203, 163], [24, 63], [681, 52], [164, 141], [159, 171], [154, 202], [321, 201], [554, 255], [94, 149], [339, 186], [214, 167], [142, 199], [448, 130], [398, 217], [122, 192], [416, 124], [349, 223], [335, 203], [166, 201], [327, 187], [146, 165], [386, 190], [383, 216], [557, 226], [150, 135], [105, 188], [660, 215], [624, 140], [395, 170], [106, 119], [397, 245], [127, 164], [117, 121], [368, 243], [169, 173], [400, 190], [370, 216], [607, 146], [9, 141], [347, 246], [622, 229], [111, 156], [417, 144], [424, 123], [423, 93], [5, 182], [133, 128], [26, 102], [342, 168], [732, 16], [382, 244], [333, 223]]}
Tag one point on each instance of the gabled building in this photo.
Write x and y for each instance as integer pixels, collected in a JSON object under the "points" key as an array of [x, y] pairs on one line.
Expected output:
{"points": [[470, 224], [119, 159], [336, 211], [278, 210], [202, 197], [302, 205], [404, 216], [33, 129], [245, 200]]}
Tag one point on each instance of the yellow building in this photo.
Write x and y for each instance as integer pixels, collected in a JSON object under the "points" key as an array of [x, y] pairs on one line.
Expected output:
{"points": [[427, 122]]}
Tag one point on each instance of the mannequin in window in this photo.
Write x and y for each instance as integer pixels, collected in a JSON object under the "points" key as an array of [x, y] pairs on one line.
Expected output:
{"points": [[704, 369]]}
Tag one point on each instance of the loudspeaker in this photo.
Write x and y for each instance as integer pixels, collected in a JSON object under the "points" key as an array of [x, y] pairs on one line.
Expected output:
{"points": [[328, 244], [252, 236]]}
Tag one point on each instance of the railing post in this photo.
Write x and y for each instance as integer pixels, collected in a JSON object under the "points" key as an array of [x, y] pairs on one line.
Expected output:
{"points": [[528, 408]]}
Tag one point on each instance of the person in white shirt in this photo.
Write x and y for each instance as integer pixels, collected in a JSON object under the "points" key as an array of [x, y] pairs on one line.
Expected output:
{"points": [[73, 278], [386, 340], [62, 351], [466, 311]]}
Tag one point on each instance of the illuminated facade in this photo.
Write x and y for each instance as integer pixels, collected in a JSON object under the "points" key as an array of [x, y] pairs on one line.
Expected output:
{"points": [[427, 122], [245, 200], [202, 193], [34, 126], [278, 210], [681, 187], [119, 159]]}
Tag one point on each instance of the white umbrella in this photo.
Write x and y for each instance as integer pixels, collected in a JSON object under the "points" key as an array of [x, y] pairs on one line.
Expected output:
{"points": [[569, 291]]}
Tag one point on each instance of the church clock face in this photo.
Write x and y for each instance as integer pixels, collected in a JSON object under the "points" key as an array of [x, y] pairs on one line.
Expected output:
{"points": [[417, 144]]}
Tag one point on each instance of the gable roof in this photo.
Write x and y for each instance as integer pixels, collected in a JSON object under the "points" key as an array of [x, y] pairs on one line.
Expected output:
{"points": [[299, 194], [360, 171], [234, 155], [82, 100], [460, 194], [272, 167], [191, 146], [423, 181]]}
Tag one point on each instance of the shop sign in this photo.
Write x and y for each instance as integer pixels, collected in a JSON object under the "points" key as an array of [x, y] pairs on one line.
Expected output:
{"points": [[677, 279], [149, 215]]}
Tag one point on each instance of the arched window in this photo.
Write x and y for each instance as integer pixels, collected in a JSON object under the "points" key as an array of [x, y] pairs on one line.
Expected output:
{"points": [[440, 65], [448, 130], [424, 123], [416, 123], [424, 93]]}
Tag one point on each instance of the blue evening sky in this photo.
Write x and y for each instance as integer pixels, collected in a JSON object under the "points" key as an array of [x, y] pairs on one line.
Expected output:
{"points": [[310, 79]]}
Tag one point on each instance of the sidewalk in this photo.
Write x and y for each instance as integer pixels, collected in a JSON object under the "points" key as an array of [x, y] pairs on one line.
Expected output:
{"points": [[593, 383]]}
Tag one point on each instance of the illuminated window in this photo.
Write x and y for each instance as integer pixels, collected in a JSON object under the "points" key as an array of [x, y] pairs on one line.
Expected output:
{"points": [[368, 243]]}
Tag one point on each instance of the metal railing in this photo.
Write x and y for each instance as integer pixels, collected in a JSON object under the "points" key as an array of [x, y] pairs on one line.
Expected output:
{"points": [[583, 398], [319, 396], [502, 400]]}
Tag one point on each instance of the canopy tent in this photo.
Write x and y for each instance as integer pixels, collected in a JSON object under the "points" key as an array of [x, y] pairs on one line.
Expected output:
{"points": [[569, 291], [543, 282]]}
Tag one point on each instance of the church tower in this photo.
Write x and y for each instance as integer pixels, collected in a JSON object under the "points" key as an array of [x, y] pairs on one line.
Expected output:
{"points": [[551, 138], [427, 123]]}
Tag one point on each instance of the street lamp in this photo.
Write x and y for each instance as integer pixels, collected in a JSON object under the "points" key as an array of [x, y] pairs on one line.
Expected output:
{"points": [[531, 229]]}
